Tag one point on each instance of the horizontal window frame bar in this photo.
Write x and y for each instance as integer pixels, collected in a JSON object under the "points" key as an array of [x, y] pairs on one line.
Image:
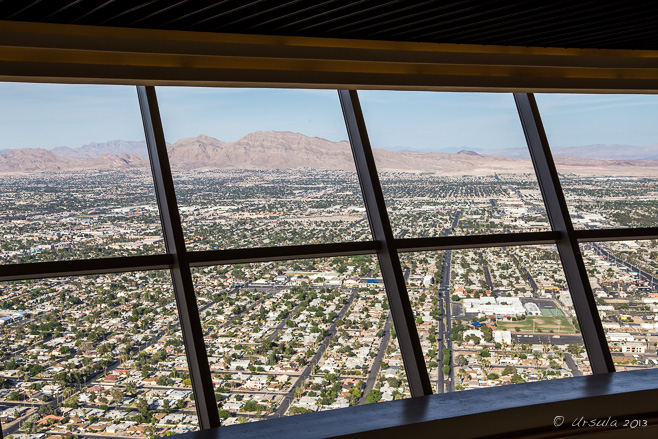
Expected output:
{"points": [[291, 252], [409, 245], [84, 267], [630, 234]]}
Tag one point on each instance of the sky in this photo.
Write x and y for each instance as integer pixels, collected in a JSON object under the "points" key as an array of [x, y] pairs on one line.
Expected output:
{"points": [[50, 115]]}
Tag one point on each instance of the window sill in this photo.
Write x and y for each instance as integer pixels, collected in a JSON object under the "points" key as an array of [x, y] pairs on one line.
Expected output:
{"points": [[522, 410]]}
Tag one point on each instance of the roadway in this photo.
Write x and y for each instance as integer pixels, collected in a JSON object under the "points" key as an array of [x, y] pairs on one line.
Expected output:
{"points": [[652, 280], [443, 340], [372, 375], [487, 273], [288, 398]]}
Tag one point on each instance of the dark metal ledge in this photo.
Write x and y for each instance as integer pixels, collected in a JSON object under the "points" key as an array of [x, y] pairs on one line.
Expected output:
{"points": [[266, 254], [475, 241], [514, 411], [83, 267], [617, 234]]}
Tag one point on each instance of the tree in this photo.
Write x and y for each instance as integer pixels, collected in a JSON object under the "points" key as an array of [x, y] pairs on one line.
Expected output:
{"points": [[517, 379], [36, 369], [509, 370], [117, 395], [392, 381], [446, 369], [487, 332], [143, 407], [166, 406], [253, 406], [224, 414], [4, 383], [373, 396], [131, 388]]}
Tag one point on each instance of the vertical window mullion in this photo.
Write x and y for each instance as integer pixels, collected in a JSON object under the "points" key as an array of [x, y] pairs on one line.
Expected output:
{"points": [[567, 245], [188, 312], [389, 261]]}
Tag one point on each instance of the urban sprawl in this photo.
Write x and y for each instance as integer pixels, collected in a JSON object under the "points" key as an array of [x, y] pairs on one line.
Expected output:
{"points": [[103, 356]]}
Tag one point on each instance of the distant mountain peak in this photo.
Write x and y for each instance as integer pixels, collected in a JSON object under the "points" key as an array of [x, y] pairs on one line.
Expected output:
{"points": [[205, 138], [95, 149], [467, 152]]}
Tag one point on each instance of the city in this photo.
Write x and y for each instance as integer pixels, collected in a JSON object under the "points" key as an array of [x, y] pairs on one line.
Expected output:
{"points": [[103, 355]]}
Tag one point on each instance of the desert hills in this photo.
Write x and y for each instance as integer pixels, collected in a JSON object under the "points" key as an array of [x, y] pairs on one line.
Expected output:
{"points": [[287, 150]]}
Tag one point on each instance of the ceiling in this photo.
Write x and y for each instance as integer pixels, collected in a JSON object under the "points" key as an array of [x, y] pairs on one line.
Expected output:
{"points": [[567, 24]]}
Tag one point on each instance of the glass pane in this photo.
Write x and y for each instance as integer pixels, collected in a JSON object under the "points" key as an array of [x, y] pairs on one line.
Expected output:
{"points": [[94, 355], [294, 337], [606, 150], [623, 279], [262, 168], [444, 165], [75, 178], [494, 316]]}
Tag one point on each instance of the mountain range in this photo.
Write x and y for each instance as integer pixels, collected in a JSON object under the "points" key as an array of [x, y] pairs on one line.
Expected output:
{"points": [[610, 152], [287, 150]]}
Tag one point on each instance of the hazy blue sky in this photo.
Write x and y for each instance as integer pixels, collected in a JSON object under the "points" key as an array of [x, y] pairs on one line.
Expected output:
{"points": [[47, 115]]}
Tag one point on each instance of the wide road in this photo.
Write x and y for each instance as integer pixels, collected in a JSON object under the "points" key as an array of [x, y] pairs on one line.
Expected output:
{"points": [[643, 274], [572, 365], [445, 323], [531, 280], [372, 375], [288, 398]]}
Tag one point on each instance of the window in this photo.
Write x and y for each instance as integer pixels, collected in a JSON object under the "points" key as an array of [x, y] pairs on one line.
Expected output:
{"points": [[84, 200], [445, 164], [293, 289], [605, 148], [262, 168]]}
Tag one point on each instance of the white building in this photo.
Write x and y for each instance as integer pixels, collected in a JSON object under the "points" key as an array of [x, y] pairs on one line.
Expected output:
{"points": [[532, 309], [634, 347], [502, 337], [500, 307], [620, 336]]}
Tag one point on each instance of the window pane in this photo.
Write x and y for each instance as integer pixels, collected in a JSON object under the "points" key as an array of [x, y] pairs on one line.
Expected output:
{"points": [[623, 280], [606, 150], [75, 178], [294, 337], [488, 317], [103, 355], [444, 161], [271, 168]]}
